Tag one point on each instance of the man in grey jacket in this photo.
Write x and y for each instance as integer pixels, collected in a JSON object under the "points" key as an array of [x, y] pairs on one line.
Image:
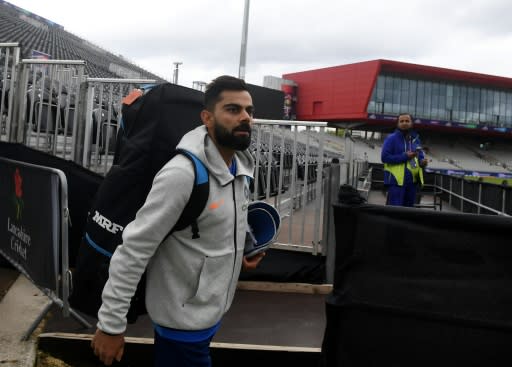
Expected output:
{"points": [[190, 282]]}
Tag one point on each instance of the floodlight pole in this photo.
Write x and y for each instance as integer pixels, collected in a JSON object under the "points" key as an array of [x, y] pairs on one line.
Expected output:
{"points": [[175, 72], [243, 49], [199, 85]]}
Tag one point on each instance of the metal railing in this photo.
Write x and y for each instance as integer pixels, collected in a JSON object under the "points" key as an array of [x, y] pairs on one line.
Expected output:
{"points": [[475, 197], [45, 108], [102, 117], [461, 194], [9, 58], [58, 110], [293, 166]]}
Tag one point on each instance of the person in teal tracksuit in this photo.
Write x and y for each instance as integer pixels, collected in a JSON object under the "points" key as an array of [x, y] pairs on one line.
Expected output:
{"points": [[403, 163]]}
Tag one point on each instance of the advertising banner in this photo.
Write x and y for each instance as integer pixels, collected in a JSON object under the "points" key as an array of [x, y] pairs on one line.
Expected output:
{"points": [[29, 220], [290, 102], [453, 124], [40, 55]]}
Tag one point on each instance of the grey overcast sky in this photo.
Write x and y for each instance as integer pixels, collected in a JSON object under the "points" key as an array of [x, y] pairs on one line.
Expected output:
{"points": [[290, 35]]}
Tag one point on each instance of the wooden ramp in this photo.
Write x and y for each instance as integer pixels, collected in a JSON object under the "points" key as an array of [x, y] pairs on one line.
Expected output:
{"points": [[269, 324]]}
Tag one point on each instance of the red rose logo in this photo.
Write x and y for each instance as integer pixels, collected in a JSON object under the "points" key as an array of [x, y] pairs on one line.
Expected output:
{"points": [[18, 191], [17, 182]]}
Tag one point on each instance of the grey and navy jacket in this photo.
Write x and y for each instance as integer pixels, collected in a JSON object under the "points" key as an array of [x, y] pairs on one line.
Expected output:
{"points": [[190, 282]]}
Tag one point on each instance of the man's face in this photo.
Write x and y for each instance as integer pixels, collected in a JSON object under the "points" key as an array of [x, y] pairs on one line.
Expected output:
{"points": [[404, 122], [230, 122]]}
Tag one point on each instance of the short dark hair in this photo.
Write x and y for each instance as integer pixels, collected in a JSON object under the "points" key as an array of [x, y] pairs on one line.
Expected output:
{"points": [[219, 85]]}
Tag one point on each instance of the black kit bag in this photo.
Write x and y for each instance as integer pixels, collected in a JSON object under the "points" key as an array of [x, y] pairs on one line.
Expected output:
{"points": [[153, 122], [349, 195]]}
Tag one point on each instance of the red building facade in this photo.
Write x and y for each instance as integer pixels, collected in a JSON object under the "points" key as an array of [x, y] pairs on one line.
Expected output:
{"points": [[372, 93]]}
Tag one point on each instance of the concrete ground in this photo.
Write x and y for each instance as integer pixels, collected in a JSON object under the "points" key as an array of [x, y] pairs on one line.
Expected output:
{"points": [[20, 305]]}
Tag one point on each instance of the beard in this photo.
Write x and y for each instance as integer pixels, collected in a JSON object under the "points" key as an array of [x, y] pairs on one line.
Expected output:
{"points": [[405, 130], [228, 139]]}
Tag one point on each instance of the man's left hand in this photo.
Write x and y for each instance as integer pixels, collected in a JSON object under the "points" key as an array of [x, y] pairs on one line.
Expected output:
{"points": [[424, 162], [252, 262]]}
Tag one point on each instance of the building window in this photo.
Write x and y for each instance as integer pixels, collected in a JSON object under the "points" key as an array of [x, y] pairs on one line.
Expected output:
{"points": [[439, 100]]}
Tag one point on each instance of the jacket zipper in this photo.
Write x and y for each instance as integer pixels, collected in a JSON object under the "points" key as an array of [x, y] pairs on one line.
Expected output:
{"points": [[234, 241], [236, 219]]}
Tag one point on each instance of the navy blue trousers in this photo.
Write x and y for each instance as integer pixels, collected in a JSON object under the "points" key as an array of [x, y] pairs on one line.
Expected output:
{"points": [[170, 353], [402, 195]]}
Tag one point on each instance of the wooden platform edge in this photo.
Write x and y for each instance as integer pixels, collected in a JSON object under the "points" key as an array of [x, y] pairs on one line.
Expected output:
{"points": [[148, 341], [88, 337], [273, 348], [303, 288]]}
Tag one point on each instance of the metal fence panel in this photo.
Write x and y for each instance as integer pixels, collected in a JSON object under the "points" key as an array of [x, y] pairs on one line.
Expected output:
{"points": [[9, 58], [474, 197], [45, 112], [102, 116], [291, 157], [57, 109]]}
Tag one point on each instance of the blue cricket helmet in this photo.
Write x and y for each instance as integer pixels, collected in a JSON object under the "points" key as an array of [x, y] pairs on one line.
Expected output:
{"points": [[264, 222]]}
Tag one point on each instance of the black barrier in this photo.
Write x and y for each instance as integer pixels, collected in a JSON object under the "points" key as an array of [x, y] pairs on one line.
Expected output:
{"points": [[29, 215], [34, 234], [471, 192], [508, 200], [82, 187], [421, 288], [492, 195], [479, 197], [457, 190]]}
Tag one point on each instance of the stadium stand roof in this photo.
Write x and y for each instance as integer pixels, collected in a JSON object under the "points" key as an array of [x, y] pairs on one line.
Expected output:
{"points": [[39, 36]]}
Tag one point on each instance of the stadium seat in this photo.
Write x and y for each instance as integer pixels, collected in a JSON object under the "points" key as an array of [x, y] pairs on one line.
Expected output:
{"points": [[42, 101], [108, 130]]}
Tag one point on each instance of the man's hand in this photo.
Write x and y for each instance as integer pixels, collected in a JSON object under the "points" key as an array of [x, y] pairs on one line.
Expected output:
{"points": [[252, 262], [424, 162], [411, 154], [107, 347]]}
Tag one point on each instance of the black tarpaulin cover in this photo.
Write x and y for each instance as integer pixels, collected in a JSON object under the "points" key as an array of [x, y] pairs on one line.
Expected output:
{"points": [[419, 287], [285, 266]]}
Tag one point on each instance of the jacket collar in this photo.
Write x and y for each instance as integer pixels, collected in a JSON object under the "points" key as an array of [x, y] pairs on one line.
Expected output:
{"points": [[201, 145]]}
